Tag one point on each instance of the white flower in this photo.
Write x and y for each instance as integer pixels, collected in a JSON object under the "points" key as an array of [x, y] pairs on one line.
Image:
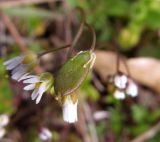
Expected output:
{"points": [[39, 85], [2, 133], [120, 81], [20, 65], [4, 120], [45, 134], [132, 89], [70, 109], [119, 94]]}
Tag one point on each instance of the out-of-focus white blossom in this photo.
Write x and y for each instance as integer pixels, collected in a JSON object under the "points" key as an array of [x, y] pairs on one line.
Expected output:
{"points": [[99, 115], [2, 132], [124, 86], [45, 134], [20, 65], [4, 120], [120, 81], [39, 85], [118, 94], [70, 109], [132, 88]]}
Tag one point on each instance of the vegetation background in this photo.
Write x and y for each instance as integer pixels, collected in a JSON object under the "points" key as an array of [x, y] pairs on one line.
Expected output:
{"points": [[133, 25]]}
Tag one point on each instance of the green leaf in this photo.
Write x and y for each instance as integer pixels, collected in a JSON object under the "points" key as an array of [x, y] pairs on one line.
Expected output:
{"points": [[138, 129], [6, 97], [89, 89], [153, 19], [116, 120], [139, 113], [117, 7]]}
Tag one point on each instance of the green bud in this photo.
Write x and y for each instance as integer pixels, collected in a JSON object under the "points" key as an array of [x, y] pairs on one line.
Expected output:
{"points": [[73, 72], [48, 78]]}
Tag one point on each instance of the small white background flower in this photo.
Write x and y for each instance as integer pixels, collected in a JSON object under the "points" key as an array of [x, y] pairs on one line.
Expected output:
{"points": [[120, 81], [119, 94], [2, 133], [132, 88], [4, 120], [45, 134]]}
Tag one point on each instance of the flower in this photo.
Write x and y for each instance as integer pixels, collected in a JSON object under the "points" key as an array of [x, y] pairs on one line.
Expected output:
{"points": [[119, 94], [68, 79], [45, 134], [2, 132], [132, 88], [39, 84], [4, 120], [120, 81], [20, 65], [70, 108], [122, 86]]}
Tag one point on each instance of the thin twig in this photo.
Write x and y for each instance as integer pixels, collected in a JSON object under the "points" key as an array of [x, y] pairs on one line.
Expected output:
{"points": [[11, 3], [148, 134], [91, 123], [117, 62], [126, 66], [7, 39], [120, 58], [12, 28]]}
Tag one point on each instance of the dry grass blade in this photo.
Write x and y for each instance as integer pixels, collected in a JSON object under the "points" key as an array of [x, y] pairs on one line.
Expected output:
{"points": [[148, 134], [11, 3]]}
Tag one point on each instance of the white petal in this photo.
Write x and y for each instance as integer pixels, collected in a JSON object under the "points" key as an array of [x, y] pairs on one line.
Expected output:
{"points": [[12, 66], [29, 87], [120, 81], [18, 68], [70, 110], [2, 132], [42, 89], [132, 89], [18, 75], [4, 120], [13, 60], [34, 94], [27, 76], [23, 77], [119, 95], [32, 80]]}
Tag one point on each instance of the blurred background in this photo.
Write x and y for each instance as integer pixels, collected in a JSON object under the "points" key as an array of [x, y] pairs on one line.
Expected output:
{"points": [[130, 26]]}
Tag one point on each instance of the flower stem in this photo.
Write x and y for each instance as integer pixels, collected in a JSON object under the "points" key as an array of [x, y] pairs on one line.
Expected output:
{"points": [[53, 50], [80, 30], [94, 37]]}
